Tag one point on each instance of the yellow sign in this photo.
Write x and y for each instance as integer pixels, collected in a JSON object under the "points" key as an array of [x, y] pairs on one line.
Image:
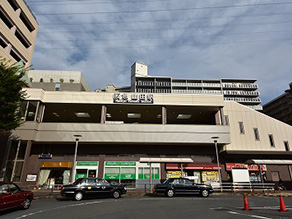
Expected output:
{"points": [[57, 164]]}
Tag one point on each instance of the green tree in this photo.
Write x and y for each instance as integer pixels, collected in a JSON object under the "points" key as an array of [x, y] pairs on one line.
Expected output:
{"points": [[11, 94]]}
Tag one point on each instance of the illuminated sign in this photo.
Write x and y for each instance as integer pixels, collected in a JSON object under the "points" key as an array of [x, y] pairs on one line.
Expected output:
{"points": [[133, 98]]}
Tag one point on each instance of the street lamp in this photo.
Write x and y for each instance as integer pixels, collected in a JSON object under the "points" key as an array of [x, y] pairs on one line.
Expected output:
{"points": [[217, 157], [77, 137]]}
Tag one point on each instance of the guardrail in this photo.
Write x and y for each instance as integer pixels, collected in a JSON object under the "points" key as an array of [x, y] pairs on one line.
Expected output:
{"points": [[244, 187]]}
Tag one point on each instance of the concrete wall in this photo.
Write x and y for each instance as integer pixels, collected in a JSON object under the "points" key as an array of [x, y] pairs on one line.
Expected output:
{"points": [[253, 119]]}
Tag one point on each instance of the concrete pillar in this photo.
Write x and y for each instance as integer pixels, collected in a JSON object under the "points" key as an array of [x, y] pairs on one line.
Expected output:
{"points": [[8, 48], [18, 11], [103, 114], [13, 29], [218, 119], [25, 164], [164, 115], [101, 165]]}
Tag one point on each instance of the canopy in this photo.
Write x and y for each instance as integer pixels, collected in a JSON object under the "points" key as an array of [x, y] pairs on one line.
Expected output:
{"points": [[279, 162], [165, 160]]}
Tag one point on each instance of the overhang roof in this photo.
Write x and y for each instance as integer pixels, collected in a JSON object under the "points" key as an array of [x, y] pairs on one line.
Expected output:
{"points": [[279, 162], [165, 160]]}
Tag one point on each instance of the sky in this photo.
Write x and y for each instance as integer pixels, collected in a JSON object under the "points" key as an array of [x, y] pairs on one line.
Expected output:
{"points": [[177, 38]]}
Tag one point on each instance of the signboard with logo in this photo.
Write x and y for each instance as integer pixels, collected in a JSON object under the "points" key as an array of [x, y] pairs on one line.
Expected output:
{"points": [[120, 163], [31, 177], [87, 163], [250, 167], [133, 98]]}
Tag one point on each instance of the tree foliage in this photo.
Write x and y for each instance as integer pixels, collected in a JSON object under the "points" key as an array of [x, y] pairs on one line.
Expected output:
{"points": [[11, 94]]}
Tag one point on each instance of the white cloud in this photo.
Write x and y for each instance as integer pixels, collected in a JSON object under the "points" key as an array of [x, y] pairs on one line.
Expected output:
{"points": [[180, 44]]}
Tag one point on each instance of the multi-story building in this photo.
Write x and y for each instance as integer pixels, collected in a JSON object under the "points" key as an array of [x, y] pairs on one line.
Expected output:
{"points": [[51, 80], [281, 107], [18, 31], [243, 91], [124, 137]]}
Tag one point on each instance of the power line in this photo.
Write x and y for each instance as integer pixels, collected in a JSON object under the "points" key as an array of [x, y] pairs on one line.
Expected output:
{"points": [[177, 20], [163, 29], [89, 2], [154, 38], [163, 10], [187, 44]]}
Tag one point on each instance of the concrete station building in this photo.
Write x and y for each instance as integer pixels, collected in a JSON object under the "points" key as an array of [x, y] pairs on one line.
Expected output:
{"points": [[121, 134]]}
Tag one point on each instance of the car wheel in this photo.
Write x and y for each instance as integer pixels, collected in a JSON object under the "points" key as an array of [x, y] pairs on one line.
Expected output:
{"points": [[78, 196], [205, 193], [116, 194], [26, 204], [170, 193]]}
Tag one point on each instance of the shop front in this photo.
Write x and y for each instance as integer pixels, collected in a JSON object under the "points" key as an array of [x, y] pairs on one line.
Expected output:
{"points": [[257, 173], [200, 173], [121, 172], [54, 173], [86, 169]]}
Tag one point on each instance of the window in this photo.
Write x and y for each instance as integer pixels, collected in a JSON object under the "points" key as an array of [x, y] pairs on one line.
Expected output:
{"points": [[286, 143], [3, 44], [4, 189], [226, 120], [271, 138], [26, 22], [5, 19], [13, 4], [241, 128], [22, 39], [13, 188], [256, 134]]}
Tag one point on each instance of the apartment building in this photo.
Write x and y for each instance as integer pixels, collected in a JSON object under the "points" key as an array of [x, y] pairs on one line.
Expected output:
{"points": [[18, 31], [55, 80], [281, 107], [244, 91]]}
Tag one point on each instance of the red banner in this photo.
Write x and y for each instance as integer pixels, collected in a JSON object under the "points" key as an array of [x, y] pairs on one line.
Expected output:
{"points": [[250, 167], [174, 166]]}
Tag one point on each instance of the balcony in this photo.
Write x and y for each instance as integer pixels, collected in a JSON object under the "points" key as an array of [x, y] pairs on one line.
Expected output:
{"points": [[241, 93]]}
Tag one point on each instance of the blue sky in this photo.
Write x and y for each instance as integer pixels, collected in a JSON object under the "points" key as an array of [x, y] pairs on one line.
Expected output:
{"points": [[182, 39]]}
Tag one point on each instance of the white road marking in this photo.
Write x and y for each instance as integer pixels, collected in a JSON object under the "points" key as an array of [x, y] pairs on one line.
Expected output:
{"points": [[248, 215], [57, 208]]}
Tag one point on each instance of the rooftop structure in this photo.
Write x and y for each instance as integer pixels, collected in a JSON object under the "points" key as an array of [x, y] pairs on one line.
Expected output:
{"points": [[51, 80], [243, 91]]}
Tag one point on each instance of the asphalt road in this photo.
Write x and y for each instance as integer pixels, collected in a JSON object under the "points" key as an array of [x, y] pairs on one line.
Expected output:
{"points": [[216, 206]]}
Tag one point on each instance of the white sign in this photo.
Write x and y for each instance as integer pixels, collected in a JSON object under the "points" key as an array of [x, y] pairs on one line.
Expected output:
{"points": [[31, 178], [240, 175], [132, 98]]}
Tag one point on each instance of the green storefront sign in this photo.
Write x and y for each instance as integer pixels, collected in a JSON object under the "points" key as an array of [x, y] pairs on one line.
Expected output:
{"points": [[120, 163], [111, 176], [87, 163], [147, 176], [80, 175]]}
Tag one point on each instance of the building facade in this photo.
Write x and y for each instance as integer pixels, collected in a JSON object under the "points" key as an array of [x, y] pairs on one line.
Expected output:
{"points": [[243, 91], [53, 80], [281, 107], [18, 31], [135, 138]]}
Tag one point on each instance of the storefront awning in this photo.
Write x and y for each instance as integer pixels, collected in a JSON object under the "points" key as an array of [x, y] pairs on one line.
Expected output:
{"points": [[276, 162], [165, 160], [175, 166]]}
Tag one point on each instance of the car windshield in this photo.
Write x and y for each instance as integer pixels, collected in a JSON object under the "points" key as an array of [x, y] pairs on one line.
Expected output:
{"points": [[166, 181], [78, 181]]}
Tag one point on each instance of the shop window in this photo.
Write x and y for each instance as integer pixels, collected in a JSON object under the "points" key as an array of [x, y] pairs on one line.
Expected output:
{"points": [[241, 128], [51, 177], [3, 44], [271, 138], [287, 147], [125, 175], [144, 173], [256, 134], [81, 173]]}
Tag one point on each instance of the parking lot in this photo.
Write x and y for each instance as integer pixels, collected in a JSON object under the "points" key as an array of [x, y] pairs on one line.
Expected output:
{"points": [[215, 206]]}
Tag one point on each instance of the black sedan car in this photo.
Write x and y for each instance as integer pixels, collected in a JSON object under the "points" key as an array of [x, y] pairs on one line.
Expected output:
{"points": [[92, 187], [174, 186]]}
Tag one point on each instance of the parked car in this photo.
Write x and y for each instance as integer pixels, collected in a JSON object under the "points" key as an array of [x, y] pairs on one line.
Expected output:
{"points": [[92, 187], [174, 186], [11, 196]]}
